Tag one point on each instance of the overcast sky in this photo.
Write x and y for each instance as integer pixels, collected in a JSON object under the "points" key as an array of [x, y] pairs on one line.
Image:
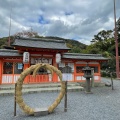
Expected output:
{"points": [[74, 19]]}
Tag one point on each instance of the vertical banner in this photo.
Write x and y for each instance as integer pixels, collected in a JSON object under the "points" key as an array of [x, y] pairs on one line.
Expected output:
{"points": [[26, 57]]}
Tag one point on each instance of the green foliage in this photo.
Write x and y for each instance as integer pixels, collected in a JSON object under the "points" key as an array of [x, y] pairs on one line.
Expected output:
{"points": [[91, 49], [107, 74], [76, 46], [103, 43], [4, 41]]}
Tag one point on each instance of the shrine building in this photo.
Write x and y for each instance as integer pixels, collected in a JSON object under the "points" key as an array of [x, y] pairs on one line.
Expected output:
{"points": [[30, 51]]}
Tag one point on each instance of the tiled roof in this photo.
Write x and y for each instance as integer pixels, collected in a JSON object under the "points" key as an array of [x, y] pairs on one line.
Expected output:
{"points": [[41, 43], [84, 56], [8, 52], [11, 53]]}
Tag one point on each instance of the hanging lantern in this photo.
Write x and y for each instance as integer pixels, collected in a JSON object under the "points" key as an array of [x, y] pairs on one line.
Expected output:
{"points": [[26, 57]]}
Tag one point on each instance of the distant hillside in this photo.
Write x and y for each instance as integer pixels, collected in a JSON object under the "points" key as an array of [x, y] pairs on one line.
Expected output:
{"points": [[75, 46], [4, 41]]}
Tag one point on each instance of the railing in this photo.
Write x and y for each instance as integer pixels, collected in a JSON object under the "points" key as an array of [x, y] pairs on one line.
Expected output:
{"points": [[9, 78], [38, 78], [12, 78]]}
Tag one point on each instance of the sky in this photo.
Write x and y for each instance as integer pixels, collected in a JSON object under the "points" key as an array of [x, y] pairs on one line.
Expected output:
{"points": [[72, 19]]}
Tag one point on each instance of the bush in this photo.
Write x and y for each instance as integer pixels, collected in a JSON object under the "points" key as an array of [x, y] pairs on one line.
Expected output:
{"points": [[107, 74]]}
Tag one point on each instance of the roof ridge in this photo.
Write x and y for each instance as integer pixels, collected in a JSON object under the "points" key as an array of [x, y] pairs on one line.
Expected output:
{"points": [[9, 50], [40, 39], [83, 54]]}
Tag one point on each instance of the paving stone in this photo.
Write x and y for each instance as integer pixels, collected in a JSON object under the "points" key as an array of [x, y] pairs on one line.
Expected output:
{"points": [[40, 111]]}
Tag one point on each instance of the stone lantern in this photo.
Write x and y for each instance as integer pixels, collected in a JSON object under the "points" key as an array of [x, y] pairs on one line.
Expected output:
{"points": [[87, 74]]}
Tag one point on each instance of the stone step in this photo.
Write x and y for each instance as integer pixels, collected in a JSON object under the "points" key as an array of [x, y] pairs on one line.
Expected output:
{"points": [[40, 85], [36, 90]]}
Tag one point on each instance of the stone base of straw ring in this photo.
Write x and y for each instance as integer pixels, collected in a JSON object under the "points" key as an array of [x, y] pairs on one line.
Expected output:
{"points": [[40, 111]]}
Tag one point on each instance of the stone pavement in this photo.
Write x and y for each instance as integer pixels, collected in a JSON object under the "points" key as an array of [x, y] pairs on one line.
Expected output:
{"points": [[103, 104]]}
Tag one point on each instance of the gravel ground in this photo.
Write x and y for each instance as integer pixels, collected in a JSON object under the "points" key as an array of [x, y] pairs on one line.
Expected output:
{"points": [[103, 104]]}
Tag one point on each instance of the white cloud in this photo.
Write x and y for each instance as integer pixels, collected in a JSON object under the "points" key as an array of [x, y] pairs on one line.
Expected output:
{"points": [[64, 18]]}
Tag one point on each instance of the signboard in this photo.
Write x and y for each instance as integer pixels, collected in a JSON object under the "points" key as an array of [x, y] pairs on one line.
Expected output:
{"points": [[58, 57], [26, 57], [20, 66], [41, 60], [67, 77]]}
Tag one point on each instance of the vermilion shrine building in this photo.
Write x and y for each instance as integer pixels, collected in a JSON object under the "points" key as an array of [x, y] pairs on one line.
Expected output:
{"points": [[44, 50]]}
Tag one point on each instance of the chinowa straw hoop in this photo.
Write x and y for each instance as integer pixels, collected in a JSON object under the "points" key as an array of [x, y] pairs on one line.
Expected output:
{"points": [[34, 69]]}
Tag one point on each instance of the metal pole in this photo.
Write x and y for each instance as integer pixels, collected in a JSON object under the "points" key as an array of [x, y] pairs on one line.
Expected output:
{"points": [[9, 28], [65, 105], [15, 100], [111, 81], [116, 43]]}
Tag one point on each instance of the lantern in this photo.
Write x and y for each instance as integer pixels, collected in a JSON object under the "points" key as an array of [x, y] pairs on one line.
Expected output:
{"points": [[87, 72], [58, 58], [26, 57]]}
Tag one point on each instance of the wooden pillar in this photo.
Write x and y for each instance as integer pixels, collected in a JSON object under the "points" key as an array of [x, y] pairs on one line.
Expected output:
{"points": [[55, 76], [27, 77], [1, 72], [74, 72], [116, 43], [99, 69]]}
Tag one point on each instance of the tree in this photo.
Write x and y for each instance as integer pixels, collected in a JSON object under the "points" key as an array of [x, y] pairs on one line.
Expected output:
{"points": [[28, 34], [102, 43], [103, 35]]}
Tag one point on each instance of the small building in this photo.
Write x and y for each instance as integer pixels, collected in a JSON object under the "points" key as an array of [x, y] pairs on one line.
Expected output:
{"points": [[44, 50]]}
